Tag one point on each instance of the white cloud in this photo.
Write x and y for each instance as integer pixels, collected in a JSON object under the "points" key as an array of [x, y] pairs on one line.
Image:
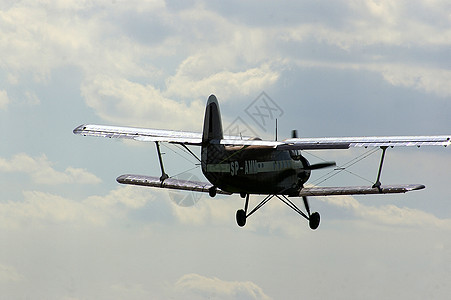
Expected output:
{"points": [[430, 80], [31, 98], [4, 99], [41, 209], [118, 65], [225, 84], [371, 22], [126, 82], [194, 286], [9, 274], [426, 79], [388, 215], [41, 171], [126, 102]]}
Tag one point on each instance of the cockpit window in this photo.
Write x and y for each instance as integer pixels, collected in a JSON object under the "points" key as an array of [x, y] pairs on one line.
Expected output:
{"points": [[295, 154]]}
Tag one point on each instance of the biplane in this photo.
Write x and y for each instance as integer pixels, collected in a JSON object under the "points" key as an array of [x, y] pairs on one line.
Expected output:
{"points": [[249, 165]]}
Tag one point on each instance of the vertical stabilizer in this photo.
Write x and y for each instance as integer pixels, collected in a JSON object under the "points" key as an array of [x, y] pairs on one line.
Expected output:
{"points": [[212, 121], [212, 152]]}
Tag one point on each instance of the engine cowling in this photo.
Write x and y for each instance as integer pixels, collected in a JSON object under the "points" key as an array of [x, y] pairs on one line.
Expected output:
{"points": [[305, 173]]}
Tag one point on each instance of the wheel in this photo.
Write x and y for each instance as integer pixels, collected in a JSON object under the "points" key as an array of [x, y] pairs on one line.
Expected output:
{"points": [[241, 217], [212, 191], [314, 220]]}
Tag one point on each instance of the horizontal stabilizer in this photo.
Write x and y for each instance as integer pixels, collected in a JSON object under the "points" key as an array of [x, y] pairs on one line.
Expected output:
{"points": [[359, 190], [169, 183]]}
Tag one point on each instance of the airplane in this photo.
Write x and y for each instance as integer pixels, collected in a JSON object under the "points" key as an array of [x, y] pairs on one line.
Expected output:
{"points": [[249, 165]]}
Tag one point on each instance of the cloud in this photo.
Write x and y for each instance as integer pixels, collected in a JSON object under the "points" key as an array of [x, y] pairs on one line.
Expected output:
{"points": [[9, 274], [31, 98], [200, 287], [227, 84], [365, 23], [4, 99], [41, 171], [126, 102], [123, 78], [430, 80], [131, 77], [388, 215], [42, 208]]}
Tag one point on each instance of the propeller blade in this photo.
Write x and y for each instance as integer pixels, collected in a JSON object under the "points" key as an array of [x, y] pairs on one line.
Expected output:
{"points": [[323, 165]]}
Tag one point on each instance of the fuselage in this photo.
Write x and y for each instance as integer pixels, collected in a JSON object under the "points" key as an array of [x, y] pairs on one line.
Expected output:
{"points": [[248, 169], [255, 170]]}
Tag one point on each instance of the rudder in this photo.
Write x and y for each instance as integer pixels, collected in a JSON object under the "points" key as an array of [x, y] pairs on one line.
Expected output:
{"points": [[212, 121], [212, 151]]}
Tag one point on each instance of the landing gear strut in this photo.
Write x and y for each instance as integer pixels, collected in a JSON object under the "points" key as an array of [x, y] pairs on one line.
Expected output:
{"points": [[241, 213], [313, 218]]}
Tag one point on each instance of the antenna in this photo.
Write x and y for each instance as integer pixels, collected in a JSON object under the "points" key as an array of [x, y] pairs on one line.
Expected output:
{"points": [[276, 129]]}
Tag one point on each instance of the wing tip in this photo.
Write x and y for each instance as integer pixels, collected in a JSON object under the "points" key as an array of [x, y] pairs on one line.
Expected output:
{"points": [[418, 187], [79, 129]]}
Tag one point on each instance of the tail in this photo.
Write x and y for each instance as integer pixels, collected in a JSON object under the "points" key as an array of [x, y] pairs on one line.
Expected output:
{"points": [[212, 121], [212, 151]]}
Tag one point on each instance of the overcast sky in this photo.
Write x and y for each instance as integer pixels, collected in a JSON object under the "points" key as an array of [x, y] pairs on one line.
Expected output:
{"points": [[333, 68]]}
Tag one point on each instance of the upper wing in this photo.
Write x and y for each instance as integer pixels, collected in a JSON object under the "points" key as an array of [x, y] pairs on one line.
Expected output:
{"points": [[359, 190], [141, 134], [377, 141], [345, 142], [195, 138], [157, 135]]}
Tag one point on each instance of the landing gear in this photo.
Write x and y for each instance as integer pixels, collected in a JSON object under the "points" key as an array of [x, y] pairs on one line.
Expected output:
{"points": [[241, 217], [314, 218], [212, 191], [241, 213]]}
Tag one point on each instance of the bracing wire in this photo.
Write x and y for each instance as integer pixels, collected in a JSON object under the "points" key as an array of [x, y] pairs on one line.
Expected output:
{"points": [[344, 167], [184, 157], [196, 165]]}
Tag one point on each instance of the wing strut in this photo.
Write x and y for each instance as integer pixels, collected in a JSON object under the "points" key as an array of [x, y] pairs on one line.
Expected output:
{"points": [[377, 184], [163, 174]]}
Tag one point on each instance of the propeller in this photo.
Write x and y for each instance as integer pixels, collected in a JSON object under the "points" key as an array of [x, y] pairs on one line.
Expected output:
{"points": [[322, 165]]}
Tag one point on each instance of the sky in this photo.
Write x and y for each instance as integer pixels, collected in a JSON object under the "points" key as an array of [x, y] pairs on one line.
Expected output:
{"points": [[326, 68]]}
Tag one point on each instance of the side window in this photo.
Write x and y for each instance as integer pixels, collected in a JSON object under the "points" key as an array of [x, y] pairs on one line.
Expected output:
{"points": [[295, 154]]}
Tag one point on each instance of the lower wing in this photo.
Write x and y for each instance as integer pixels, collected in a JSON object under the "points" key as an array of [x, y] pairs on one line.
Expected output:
{"points": [[169, 183], [197, 186], [360, 190]]}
